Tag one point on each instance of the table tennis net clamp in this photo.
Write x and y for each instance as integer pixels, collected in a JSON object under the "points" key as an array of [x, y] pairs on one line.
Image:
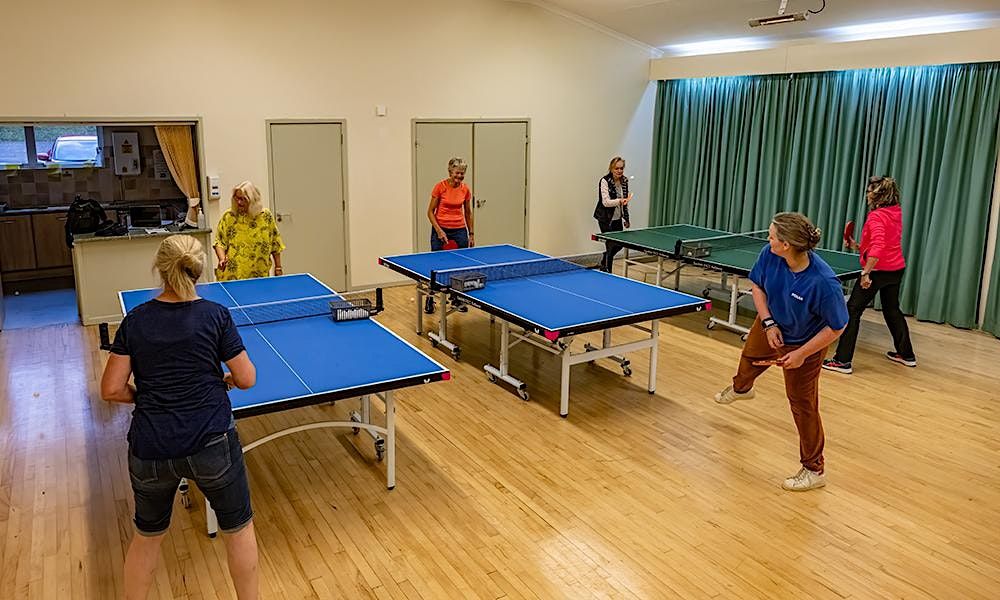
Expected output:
{"points": [[469, 279]]}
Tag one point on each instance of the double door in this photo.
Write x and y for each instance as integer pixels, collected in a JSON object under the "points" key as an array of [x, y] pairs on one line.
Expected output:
{"points": [[497, 155]]}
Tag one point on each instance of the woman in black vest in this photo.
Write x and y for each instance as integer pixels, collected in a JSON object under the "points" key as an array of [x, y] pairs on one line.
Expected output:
{"points": [[612, 207]]}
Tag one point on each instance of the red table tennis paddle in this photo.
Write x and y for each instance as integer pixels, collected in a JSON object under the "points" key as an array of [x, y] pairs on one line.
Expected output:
{"points": [[849, 232], [451, 245]]}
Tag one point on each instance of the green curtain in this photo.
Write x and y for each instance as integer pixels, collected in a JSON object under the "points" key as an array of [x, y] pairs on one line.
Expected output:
{"points": [[730, 152]]}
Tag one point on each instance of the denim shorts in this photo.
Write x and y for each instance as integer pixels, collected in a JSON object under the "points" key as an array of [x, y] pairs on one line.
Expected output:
{"points": [[218, 470]]}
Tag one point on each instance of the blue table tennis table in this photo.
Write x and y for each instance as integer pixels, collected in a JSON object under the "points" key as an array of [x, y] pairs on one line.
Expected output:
{"points": [[304, 356], [550, 299]]}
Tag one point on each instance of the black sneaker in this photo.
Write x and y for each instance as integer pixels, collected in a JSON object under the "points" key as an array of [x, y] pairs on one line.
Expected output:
{"points": [[897, 357], [429, 306], [837, 366]]}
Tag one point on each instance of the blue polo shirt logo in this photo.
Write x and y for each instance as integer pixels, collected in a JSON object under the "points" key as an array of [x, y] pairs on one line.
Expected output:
{"points": [[797, 297]]}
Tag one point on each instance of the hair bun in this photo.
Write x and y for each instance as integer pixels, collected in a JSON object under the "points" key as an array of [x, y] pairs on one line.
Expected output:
{"points": [[815, 234]]}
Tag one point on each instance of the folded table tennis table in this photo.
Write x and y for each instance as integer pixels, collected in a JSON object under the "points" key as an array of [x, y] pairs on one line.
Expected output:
{"points": [[732, 254], [550, 300], [305, 356]]}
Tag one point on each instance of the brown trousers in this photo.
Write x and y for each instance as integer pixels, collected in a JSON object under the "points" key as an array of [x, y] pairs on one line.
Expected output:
{"points": [[801, 387]]}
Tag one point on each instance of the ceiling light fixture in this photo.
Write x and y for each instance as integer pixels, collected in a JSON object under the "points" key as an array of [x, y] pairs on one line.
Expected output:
{"points": [[783, 17]]}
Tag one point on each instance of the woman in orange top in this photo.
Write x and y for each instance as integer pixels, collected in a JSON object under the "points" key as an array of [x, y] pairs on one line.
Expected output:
{"points": [[450, 213]]}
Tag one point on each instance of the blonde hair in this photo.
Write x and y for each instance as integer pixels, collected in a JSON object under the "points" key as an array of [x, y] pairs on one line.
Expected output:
{"points": [[457, 164], [611, 165], [252, 194], [796, 230], [884, 192], [180, 260]]}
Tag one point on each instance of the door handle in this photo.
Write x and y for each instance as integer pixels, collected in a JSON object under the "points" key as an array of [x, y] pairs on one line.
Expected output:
{"points": [[281, 216]]}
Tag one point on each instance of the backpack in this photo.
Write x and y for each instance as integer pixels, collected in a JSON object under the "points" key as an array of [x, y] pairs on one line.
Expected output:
{"points": [[83, 216]]}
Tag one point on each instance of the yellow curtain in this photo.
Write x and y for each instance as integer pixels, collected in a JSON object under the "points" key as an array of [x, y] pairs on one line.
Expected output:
{"points": [[177, 145]]}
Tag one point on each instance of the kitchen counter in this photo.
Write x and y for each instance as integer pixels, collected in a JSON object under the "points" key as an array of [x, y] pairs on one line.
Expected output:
{"points": [[41, 210], [104, 266], [134, 233]]}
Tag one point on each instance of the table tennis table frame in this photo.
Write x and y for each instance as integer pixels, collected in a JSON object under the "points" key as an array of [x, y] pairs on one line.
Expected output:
{"points": [[383, 436], [558, 343], [730, 283]]}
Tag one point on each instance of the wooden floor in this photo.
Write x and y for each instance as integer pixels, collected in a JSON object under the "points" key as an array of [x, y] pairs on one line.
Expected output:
{"points": [[633, 496]]}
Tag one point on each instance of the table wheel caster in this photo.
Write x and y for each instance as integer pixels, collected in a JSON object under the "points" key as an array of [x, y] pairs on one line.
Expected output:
{"points": [[379, 449], [523, 394], [627, 371], [491, 377]]}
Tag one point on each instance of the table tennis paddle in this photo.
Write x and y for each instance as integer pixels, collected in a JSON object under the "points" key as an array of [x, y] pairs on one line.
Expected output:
{"points": [[848, 232], [451, 245]]}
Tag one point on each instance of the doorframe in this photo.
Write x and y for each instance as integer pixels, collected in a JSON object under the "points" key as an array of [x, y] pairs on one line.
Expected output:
{"points": [[413, 167], [343, 180]]}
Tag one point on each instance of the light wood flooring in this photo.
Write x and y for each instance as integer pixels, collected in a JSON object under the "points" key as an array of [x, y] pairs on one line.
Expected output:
{"points": [[633, 496]]}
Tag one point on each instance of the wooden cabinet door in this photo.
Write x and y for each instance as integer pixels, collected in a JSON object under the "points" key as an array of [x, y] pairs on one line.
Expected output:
{"points": [[50, 241], [17, 246]]}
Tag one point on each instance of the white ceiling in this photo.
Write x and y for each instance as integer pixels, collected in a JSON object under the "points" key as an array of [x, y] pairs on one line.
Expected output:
{"points": [[668, 22]]}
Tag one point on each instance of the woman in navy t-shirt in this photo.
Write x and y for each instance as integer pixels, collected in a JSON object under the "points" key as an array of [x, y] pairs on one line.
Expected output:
{"points": [[182, 425], [800, 311]]}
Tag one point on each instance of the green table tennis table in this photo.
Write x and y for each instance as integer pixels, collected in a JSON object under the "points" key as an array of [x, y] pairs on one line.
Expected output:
{"points": [[732, 254]]}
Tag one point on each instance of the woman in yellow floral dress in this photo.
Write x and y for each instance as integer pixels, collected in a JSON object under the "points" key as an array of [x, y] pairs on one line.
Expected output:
{"points": [[246, 238]]}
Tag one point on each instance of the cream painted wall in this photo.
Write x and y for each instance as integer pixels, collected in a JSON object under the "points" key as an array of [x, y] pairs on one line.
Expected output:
{"points": [[236, 64], [943, 48]]}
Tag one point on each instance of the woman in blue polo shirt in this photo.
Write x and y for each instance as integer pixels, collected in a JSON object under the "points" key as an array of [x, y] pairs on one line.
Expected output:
{"points": [[800, 312], [182, 425]]}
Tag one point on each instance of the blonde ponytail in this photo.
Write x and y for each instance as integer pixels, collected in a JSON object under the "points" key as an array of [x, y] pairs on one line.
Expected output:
{"points": [[180, 261]]}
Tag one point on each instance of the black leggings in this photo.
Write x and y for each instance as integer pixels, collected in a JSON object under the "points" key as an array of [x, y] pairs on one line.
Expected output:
{"points": [[610, 248], [886, 284]]}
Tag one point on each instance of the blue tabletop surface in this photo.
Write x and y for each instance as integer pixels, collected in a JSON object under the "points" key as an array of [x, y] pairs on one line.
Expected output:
{"points": [[552, 302], [304, 357]]}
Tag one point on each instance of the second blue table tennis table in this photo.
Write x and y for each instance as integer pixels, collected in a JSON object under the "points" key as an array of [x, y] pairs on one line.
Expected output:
{"points": [[305, 356], [550, 299]]}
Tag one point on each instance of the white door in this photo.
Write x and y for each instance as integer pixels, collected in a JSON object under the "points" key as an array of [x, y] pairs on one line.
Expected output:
{"points": [[434, 145], [307, 197], [500, 152]]}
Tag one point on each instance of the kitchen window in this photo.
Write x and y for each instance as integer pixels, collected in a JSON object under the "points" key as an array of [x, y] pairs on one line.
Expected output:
{"points": [[63, 146]]}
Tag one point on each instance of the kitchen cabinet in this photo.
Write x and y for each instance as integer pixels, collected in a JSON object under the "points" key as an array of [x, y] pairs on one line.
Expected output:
{"points": [[49, 231], [17, 244]]}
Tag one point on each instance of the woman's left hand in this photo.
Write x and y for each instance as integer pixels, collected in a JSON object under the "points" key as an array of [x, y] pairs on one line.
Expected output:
{"points": [[472, 240], [792, 360], [279, 271]]}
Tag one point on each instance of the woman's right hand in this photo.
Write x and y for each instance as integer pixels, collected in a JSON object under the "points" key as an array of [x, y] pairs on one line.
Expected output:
{"points": [[441, 235], [223, 261], [774, 339], [625, 201]]}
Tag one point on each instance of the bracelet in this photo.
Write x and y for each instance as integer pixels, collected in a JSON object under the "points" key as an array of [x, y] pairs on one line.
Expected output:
{"points": [[768, 323]]}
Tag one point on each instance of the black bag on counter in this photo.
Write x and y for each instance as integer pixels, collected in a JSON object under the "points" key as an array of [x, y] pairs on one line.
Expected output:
{"points": [[111, 229], [84, 216]]}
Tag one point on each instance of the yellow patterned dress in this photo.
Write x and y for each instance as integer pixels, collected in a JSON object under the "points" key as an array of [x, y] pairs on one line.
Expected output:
{"points": [[248, 243]]}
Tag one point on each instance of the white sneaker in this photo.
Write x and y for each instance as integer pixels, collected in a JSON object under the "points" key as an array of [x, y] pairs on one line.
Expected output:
{"points": [[804, 480], [727, 395]]}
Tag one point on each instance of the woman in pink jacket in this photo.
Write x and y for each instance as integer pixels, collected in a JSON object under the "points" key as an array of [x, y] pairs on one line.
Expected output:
{"points": [[882, 270]]}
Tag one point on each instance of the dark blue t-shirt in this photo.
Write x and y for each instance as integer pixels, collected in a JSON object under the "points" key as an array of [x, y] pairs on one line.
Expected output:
{"points": [[802, 303], [176, 350]]}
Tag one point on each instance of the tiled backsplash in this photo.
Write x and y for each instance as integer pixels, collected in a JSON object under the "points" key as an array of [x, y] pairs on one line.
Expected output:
{"points": [[33, 188]]}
